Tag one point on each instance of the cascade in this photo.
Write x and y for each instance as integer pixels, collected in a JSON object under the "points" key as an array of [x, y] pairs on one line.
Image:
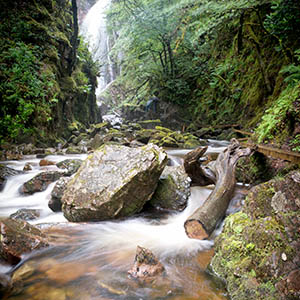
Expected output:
{"points": [[94, 31]]}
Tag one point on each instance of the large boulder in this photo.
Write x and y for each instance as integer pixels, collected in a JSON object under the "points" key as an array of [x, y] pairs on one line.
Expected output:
{"points": [[114, 182], [173, 189], [18, 237]]}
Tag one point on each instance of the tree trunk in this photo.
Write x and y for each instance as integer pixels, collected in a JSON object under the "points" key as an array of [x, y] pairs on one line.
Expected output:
{"points": [[204, 220]]}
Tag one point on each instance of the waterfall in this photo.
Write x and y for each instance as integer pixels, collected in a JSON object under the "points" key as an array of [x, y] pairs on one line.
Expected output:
{"points": [[94, 31]]}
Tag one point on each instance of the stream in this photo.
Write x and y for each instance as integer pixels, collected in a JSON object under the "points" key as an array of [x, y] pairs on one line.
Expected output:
{"points": [[91, 260]]}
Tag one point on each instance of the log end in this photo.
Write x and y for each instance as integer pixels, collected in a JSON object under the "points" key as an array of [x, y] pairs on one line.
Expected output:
{"points": [[195, 230]]}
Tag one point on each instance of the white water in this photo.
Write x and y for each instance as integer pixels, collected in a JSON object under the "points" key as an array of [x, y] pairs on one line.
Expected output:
{"points": [[94, 31], [104, 251], [166, 236], [11, 200]]}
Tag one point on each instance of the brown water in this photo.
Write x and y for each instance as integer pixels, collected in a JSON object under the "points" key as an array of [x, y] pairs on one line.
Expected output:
{"points": [[73, 268]]}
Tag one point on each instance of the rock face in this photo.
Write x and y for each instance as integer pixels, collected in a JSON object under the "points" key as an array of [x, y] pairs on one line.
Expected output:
{"points": [[18, 237], [173, 189], [258, 252], [146, 265], [114, 182]]}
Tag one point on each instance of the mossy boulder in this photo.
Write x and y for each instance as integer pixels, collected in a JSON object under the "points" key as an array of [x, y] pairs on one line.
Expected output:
{"points": [[114, 182], [173, 189], [259, 247]]}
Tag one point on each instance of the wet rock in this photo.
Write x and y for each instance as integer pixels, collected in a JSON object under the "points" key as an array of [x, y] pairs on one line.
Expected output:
{"points": [[146, 265], [12, 155], [114, 182], [25, 214], [70, 166], [98, 128], [45, 162], [5, 285], [173, 189], [27, 167], [55, 202], [97, 141], [76, 150], [6, 172], [18, 237], [40, 182]]}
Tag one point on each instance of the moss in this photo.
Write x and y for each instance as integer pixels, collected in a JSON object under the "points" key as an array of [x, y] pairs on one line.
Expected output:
{"points": [[249, 252], [243, 250]]}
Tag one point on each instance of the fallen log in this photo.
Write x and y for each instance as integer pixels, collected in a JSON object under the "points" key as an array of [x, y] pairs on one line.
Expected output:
{"points": [[204, 220], [194, 170]]}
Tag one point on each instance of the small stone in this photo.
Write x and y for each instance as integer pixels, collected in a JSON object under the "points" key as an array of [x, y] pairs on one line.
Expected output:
{"points": [[283, 257], [27, 167], [146, 265]]}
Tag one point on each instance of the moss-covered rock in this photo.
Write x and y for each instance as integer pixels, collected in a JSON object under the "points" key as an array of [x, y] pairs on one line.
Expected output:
{"points": [[114, 182], [259, 246]]}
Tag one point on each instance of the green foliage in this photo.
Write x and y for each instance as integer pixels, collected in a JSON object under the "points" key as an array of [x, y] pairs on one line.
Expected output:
{"points": [[292, 71], [284, 21], [295, 143], [274, 120], [25, 89]]}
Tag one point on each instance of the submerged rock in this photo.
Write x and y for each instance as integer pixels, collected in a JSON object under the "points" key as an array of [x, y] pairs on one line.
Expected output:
{"points": [[146, 265], [5, 285], [18, 237], [173, 189], [258, 252], [25, 214], [40, 182], [114, 182]]}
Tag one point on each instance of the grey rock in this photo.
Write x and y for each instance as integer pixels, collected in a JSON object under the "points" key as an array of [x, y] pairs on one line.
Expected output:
{"points": [[173, 189], [70, 165], [57, 193], [113, 182]]}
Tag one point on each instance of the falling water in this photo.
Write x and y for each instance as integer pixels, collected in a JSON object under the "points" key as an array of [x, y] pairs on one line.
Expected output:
{"points": [[94, 30]]}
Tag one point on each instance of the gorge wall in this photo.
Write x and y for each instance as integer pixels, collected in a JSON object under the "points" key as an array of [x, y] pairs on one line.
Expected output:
{"points": [[48, 78]]}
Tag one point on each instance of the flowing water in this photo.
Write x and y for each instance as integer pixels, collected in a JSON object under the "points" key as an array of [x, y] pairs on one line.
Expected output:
{"points": [[91, 260]]}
